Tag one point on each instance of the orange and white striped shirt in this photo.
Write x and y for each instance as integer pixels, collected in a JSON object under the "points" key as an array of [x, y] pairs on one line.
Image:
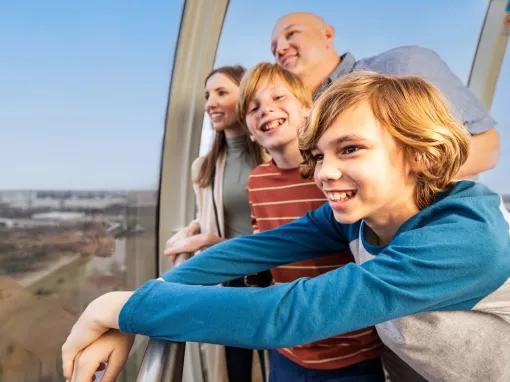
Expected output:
{"points": [[278, 197]]}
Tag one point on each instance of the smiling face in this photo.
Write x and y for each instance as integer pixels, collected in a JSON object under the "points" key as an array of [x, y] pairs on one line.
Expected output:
{"points": [[221, 95], [273, 116], [301, 43], [362, 171]]}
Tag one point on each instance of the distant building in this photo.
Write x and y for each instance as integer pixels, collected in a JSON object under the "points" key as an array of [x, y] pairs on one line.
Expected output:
{"points": [[59, 200], [9, 223], [60, 216]]}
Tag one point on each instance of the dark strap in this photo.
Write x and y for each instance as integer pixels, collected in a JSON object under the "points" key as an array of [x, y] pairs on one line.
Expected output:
{"points": [[215, 208]]}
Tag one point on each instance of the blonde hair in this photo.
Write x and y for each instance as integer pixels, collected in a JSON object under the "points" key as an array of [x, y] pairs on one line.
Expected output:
{"points": [[412, 110], [266, 72]]}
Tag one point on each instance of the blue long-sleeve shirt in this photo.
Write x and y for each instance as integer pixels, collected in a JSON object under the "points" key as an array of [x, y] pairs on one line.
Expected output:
{"points": [[438, 293]]}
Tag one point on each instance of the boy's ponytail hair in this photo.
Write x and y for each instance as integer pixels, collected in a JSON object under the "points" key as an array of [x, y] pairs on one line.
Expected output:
{"points": [[266, 72], [413, 111]]}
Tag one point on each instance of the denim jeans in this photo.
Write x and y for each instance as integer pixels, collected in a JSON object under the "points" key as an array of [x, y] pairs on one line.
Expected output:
{"points": [[284, 370]]}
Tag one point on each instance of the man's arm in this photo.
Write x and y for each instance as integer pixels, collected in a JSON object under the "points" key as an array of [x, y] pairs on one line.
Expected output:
{"points": [[483, 154]]}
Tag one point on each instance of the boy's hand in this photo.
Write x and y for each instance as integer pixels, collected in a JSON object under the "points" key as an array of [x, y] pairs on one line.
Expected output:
{"points": [[100, 315], [112, 348]]}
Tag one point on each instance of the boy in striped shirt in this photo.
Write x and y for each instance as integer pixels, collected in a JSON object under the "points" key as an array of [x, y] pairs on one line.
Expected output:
{"points": [[273, 104]]}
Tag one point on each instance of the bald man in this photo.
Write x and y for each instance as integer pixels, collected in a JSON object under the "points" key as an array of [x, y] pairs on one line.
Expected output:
{"points": [[303, 43]]}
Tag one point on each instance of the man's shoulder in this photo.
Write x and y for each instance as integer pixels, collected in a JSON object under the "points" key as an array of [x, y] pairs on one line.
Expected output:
{"points": [[398, 60]]}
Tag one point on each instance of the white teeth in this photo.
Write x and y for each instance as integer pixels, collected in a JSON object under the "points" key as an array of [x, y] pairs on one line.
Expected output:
{"points": [[340, 196], [272, 125]]}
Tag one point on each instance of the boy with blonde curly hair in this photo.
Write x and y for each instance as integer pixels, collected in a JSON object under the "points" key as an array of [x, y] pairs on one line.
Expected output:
{"points": [[432, 254]]}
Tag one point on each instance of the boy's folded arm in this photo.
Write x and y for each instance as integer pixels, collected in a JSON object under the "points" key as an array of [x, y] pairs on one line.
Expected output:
{"points": [[315, 234], [418, 272]]}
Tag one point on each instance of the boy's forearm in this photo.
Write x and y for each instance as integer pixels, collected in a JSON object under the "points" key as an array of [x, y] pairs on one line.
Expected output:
{"points": [[278, 316], [302, 239]]}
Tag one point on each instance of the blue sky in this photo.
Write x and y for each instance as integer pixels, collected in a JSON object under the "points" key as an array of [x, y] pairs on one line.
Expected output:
{"points": [[84, 85], [84, 88]]}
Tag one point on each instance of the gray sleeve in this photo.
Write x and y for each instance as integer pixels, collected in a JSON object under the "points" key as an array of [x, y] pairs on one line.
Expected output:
{"points": [[426, 63]]}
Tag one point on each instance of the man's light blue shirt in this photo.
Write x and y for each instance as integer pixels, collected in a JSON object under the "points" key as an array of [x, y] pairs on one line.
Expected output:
{"points": [[415, 60]]}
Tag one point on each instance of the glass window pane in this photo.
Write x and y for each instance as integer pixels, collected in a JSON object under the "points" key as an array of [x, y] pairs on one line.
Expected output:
{"points": [[84, 94], [498, 178]]}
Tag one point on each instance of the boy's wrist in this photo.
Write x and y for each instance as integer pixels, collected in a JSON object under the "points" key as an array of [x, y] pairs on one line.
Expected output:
{"points": [[107, 308]]}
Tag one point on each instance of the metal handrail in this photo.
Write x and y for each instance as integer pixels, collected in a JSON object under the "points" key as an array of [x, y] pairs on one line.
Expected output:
{"points": [[163, 360]]}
